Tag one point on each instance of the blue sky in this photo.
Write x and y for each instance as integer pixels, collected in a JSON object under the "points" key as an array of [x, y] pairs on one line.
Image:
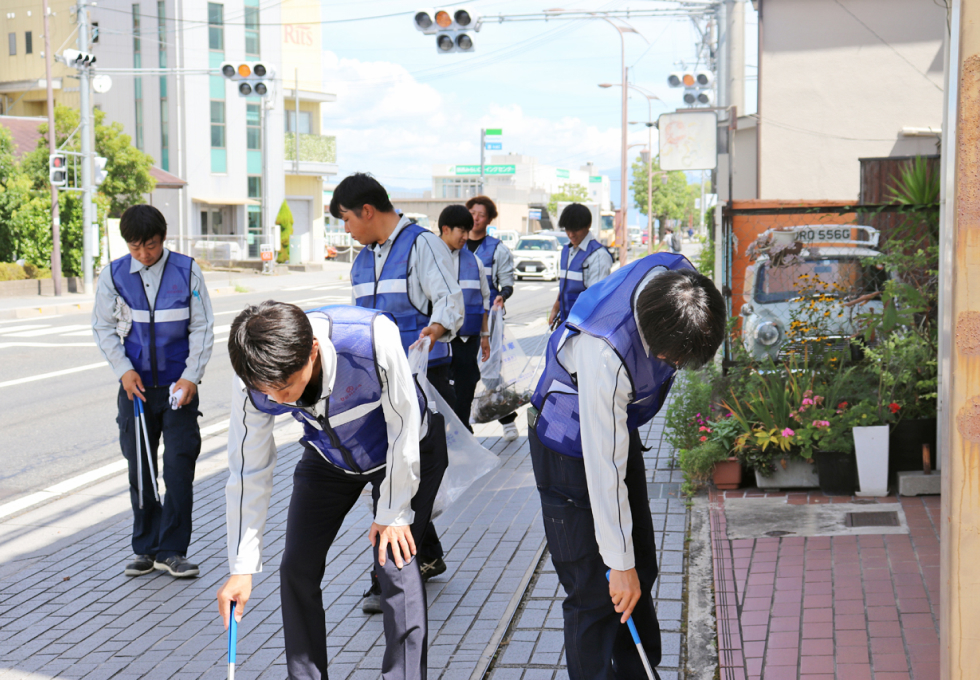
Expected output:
{"points": [[402, 106]]}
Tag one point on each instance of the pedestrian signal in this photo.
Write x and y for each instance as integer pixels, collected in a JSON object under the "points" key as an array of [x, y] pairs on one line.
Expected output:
{"points": [[57, 170]]}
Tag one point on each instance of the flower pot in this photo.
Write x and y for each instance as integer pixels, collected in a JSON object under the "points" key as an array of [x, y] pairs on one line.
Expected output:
{"points": [[905, 446], [871, 451], [727, 474], [837, 472], [797, 474]]}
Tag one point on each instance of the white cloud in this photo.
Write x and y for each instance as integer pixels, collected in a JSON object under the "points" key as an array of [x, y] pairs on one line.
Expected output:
{"points": [[390, 124]]}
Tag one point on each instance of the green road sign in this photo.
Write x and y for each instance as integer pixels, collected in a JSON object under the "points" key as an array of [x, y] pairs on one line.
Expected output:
{"points": [[495, 131], [562, 174], [593, 179], [487, 169]]}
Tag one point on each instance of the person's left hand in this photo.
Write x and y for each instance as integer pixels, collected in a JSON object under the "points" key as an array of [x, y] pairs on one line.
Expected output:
{"points": [[398, 537], [485, 346], [190, 389], [499, 302], [624, 591], [433, 332]]}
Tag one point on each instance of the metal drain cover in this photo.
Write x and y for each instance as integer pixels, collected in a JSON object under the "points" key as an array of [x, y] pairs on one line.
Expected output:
{"points": [[871, 519]]}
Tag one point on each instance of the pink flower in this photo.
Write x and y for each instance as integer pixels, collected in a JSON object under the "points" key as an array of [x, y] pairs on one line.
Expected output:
{"points": [[808, 402], [821, 423], [787, 432], [704, 439], [702, 428]]}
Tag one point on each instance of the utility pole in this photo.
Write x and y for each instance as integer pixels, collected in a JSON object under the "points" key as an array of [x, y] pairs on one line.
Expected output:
{"points": [[483, 148], [88, 245], [52, 147]]}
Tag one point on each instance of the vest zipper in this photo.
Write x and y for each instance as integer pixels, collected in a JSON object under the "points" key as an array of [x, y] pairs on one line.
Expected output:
{"points": [[335, 440]]}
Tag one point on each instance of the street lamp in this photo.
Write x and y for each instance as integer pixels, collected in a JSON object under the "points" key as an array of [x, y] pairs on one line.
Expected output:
{"points": [[650, 125]]}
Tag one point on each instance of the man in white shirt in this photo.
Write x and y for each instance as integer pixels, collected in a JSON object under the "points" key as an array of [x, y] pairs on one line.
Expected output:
{"points": [[152, 320], [342, 373], [584, 261], [609, 369]]}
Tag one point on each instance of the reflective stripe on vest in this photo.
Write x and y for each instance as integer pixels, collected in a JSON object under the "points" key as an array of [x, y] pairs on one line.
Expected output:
{"points": [[158, 343], [470, 271], [485, 252], [353, 433], [604, 311], [389, 292], [570, 276]]}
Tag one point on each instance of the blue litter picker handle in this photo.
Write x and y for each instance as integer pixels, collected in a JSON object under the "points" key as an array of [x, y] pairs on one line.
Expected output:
{"points": [[232, 643], [639, 647]]}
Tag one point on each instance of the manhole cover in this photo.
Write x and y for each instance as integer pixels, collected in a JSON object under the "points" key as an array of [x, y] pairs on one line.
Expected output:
{"points": [[777, 534], [872, 519]]}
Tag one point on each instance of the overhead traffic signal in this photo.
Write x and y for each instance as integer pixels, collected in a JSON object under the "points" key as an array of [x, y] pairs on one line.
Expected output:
{"points": [[451, 26], [78, 59], [253, 78], [697, 86], [57, 170]]}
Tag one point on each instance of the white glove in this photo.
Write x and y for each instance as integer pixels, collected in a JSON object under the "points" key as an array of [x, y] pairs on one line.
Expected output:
{"points": [[124, 318]]}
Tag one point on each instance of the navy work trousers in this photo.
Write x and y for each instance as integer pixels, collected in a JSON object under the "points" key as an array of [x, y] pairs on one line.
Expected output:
{"points": [[597, 645], [161, 530], [322, 496], [466, 375]]}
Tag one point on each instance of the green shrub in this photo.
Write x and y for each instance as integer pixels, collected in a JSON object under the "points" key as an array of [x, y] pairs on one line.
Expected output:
{"points": [[10, 271], [690, 401], [698, 463], [285, 220]]}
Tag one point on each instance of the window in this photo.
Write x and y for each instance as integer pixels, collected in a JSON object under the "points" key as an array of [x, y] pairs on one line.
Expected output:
{"points": [[304, 122], [12, 39], [255, 187], [137, 82], [217, 125], [252, 28], [28, 42], [252, 126], [216, 31]]}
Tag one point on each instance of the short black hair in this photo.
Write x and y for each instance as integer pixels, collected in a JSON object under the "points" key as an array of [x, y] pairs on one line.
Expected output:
{"points": [[268, 343], [140, 223], [358, 190], [575, 217], [682, 317], [455, 216]]}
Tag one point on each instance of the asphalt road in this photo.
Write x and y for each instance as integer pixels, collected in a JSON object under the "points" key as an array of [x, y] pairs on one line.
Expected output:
{"points": [[58, 427]]}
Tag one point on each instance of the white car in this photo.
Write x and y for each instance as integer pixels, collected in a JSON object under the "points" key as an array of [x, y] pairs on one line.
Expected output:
{"points": [[537, 256], [508, 238]]}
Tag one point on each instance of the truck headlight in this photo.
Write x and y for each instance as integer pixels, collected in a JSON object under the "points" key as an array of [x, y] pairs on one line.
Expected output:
{"points": [[767, 333]]}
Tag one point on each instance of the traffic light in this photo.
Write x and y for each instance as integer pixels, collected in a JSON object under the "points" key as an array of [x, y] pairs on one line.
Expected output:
{"points": [[78, 59], [100, 172], [253, 78], [451, 26], [57, 170], [697, 86]]}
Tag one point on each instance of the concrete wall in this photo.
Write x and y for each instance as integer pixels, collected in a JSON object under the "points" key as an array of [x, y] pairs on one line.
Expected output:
{"points": [[744, 185], [832, 91]]}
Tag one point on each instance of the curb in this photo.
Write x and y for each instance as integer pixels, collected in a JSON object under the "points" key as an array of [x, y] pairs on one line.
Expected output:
{"points": [[80, 307]]}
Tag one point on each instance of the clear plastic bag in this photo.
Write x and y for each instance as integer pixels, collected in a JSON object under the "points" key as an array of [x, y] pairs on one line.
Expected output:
{"points": [[506, 377], [468, 460]]}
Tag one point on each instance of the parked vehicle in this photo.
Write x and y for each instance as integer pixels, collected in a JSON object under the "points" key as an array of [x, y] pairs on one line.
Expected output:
{"points": [[827, 261], [537, 256], [508, 238], [635, 234], [563, 239], [420, 219]]}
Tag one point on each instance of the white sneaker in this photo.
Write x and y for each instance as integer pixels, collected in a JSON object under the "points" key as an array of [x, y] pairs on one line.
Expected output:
{"points": [[510, 432]]}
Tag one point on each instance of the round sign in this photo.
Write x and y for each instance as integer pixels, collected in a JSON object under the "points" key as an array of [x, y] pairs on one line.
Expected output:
{"points": [[101, 83]]}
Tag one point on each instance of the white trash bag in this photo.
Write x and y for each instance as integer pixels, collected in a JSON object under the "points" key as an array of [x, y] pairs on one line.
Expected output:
{"points": [[468, 460], [506, 377]]}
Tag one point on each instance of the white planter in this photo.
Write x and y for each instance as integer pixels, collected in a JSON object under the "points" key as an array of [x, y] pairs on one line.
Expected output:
{"points": [[798, 474], [871, 451]]}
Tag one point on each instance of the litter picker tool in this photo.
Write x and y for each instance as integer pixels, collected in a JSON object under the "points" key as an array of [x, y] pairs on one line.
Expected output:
{"points": [[639, 647], [232, 642], [139, 418]]}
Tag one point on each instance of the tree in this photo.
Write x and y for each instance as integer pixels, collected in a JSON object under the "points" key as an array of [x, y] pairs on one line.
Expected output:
{"points": [[8, 164], [671, 198], [285, 220], [127, 168], [574, 193]]}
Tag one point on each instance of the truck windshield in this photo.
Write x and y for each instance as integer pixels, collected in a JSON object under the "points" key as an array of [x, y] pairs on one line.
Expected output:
{"points": [[782, 284]]}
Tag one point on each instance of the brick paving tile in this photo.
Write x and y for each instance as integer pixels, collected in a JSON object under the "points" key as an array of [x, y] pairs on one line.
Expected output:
{"points": [[842, 607]]}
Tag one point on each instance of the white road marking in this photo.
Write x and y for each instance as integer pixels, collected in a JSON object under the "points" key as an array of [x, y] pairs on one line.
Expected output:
{"points": [[78, 334], [553, 289], [46, 317], [29, 327], [530, 288], [299, 288], [53, 374], [48, 331], [222, 329], [4, 345], [89, 477]]}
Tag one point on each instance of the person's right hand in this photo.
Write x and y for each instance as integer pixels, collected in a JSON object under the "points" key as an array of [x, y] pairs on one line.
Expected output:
{"points": [[624, 590], [133, 384], [237, 589], [551, 318]]}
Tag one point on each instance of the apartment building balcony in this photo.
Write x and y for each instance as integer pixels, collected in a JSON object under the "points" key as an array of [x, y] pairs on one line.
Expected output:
{"points": [[317, 155]]}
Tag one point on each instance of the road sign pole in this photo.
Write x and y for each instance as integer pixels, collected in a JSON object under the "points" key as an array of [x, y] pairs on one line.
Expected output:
{"points": [[483, 148], [52, 146], [88, 242]]}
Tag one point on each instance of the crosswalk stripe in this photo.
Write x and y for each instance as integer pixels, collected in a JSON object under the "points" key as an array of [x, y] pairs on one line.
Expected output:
{"points": [[47, 331], [53, 374], [29, 327]]}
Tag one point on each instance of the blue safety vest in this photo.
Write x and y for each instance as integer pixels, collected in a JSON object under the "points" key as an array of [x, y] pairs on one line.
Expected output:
{"points": [[604, 311], [572, 277], [157, 344], [389, 292], [485, 252], [353, 433], [470, 271]]}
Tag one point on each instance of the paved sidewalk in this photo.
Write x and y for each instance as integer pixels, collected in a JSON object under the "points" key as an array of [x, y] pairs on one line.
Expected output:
{"points": [[832, 607]]}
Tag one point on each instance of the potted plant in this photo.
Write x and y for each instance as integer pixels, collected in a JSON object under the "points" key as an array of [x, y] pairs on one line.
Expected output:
{"points": [[828, 434], [711, 456], [870, 433]]}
